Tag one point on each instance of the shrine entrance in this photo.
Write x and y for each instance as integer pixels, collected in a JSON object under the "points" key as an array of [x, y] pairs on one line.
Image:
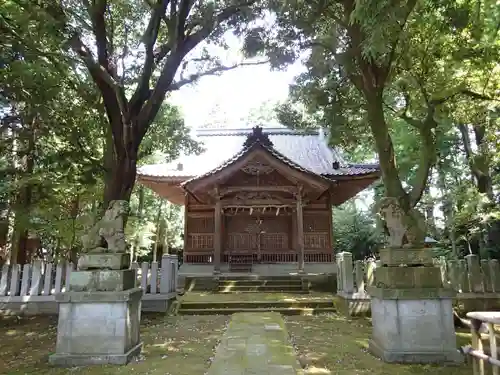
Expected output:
{"points": [[254, 236]]}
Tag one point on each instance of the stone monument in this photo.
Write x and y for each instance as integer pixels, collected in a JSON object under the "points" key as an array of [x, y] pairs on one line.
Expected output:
{"points": [[412, 315], [99, 316]]}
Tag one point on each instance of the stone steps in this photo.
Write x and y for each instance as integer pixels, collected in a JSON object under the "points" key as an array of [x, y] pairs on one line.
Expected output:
{"points": [[260, 284], [261, 288], [281, 310], [302, 307]]}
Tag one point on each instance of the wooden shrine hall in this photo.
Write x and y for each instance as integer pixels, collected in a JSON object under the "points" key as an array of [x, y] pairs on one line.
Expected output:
{"points": [[259, 200]]}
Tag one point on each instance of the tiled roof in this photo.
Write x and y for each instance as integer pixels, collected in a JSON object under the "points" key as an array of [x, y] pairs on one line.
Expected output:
{"points": [[305, 150]]}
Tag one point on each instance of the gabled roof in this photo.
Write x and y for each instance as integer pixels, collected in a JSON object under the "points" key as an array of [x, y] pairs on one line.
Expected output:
{"points": [[259, 140], [307, 150]]}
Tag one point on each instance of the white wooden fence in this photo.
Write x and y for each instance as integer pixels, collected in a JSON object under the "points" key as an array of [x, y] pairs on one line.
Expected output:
{"points": [[31, 288]]}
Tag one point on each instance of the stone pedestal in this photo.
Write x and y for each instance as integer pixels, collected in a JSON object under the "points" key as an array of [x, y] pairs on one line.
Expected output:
{"points": [[99, 317], [412, 314]]}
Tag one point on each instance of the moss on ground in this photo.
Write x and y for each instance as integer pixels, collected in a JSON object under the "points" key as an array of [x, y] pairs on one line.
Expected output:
{"points": [[183, 345], [332, 345], [173, 345]]}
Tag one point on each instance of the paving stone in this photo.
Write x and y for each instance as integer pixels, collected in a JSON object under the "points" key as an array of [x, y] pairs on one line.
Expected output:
{"points": [[255, 344]]}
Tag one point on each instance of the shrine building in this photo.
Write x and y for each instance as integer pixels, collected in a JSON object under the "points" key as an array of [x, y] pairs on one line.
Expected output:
{"points": [[259, 200]]}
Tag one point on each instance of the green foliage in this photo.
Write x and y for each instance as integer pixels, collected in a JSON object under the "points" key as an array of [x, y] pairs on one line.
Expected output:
{"points": [[355, 231]]}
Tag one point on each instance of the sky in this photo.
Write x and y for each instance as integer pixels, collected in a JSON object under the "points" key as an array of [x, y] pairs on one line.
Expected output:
{"points": [[233, 94]]}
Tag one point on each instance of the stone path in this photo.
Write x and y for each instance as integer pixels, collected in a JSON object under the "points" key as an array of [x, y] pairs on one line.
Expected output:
{"points": [[255, 344]]}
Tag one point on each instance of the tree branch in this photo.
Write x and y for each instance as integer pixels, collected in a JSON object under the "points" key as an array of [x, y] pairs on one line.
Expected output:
{"points": [[150, 109], [214, 71], [466, 92], [388, 65], [150, 36], [428, 157]]}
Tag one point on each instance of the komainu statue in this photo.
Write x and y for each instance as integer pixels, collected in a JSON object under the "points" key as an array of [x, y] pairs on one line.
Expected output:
{"points": [[404, 228], [107, 235]]}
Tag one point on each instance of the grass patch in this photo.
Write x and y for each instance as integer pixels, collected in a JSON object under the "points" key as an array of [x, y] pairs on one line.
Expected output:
{"points": [[330, 344], [173, 345], [252, 297]]}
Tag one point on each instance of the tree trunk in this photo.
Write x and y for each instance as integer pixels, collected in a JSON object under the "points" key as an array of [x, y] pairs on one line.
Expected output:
{"points": [[387, 159], [120, 179], [22, 205]]}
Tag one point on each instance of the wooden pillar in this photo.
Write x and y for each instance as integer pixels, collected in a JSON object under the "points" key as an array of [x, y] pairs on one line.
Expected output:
{"points": [[217, 231], [186, 228], [330, 227], [300, 230]]}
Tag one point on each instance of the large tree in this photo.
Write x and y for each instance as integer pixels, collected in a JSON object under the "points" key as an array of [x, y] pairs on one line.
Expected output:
{"points": [[374, 62], [136, 52]]}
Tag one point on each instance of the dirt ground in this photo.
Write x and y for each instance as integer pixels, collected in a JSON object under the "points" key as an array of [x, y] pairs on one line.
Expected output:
{"points": [[331, 345], [183, 345], [173, 345]]}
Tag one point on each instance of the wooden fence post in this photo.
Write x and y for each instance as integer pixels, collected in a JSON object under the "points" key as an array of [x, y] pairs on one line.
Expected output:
{"points": [[14, 280], [485, 270], [36, 278], [144, 276], [154, 277], [475, 277], [47, 279], [359, 273], [339, 260], [495, 275], [347, 272], [164, 274], [4, 280], [25, 279], [370, 273]]}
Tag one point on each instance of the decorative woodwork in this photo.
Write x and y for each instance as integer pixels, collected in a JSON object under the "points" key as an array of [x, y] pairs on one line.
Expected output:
{"points": [[258, 136], [200, 241], [241, 178], [257, 167]]}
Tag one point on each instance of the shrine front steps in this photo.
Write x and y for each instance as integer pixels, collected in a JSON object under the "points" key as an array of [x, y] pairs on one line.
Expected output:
{"points": [[261, 285], [303, 307]]}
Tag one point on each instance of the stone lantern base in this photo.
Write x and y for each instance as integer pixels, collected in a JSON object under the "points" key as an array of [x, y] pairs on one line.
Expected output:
{"points": [[412, 314]]}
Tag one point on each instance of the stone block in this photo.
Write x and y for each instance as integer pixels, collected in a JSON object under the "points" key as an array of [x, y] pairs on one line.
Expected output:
{"points": [[353, 304], [91, 331], [410, 293], [408, 256], [102, 280], [408, 277], [414, 331], [105, 260]]}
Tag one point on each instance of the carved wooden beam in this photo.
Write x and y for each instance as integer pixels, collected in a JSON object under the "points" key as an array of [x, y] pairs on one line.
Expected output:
{"points": [[233, 189]]}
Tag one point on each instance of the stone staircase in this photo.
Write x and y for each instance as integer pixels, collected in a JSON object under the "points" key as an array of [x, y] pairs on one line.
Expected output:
{"points": [[288, 295], [269, 284], [285, 307]]}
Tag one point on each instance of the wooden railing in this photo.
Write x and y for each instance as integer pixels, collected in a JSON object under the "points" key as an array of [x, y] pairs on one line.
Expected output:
{"points": [[199, 258], [476, 350], [266, 257], [318, 258]]}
